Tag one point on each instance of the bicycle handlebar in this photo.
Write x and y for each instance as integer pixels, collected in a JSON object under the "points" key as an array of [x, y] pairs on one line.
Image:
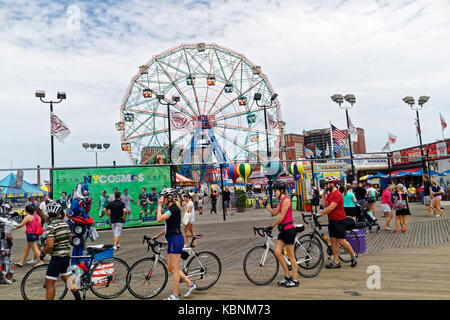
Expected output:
{"points": [[314, 219], [262, 231], [153, 244]]}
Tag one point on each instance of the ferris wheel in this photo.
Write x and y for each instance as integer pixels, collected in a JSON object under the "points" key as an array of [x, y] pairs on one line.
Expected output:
{"points": [[213, 116]]}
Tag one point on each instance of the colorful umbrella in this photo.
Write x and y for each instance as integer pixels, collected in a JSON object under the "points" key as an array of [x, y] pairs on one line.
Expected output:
{"points": [[244, 170], [233, 172]]}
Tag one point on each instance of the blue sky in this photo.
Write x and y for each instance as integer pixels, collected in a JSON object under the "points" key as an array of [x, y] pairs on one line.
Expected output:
{"points": [[380, 51]]}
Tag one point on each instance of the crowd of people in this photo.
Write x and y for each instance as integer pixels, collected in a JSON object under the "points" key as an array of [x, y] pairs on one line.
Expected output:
{"points": [[394, 198], [178, 210]]}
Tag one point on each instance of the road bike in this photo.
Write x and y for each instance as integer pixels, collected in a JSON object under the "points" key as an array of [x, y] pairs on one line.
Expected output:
{"points": [[321, 238], [148, 276], [261, 265], [106, 278]]}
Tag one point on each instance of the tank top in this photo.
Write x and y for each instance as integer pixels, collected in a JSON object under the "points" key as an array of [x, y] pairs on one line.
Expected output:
{"points": [[173, 223], [31, 226], [288, 216]]}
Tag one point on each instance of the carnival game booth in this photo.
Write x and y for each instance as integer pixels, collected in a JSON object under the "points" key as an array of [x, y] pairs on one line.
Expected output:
{"points": [[19, 196], [182, 181]]}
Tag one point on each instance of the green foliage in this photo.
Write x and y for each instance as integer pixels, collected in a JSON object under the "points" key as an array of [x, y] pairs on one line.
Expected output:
{"points": [[241, 199]]}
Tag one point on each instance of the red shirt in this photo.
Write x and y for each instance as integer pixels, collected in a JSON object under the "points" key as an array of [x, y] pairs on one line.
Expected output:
{"points": [[338, 213]]}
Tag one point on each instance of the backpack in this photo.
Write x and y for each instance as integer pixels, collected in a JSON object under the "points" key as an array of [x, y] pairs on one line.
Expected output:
{"points": [[37, 226]]}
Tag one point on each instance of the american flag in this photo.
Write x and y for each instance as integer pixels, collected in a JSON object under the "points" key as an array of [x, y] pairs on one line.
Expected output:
{"points": [[337, 134]]}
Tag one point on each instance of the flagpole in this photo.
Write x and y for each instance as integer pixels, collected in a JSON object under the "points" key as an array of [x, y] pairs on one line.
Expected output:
{"points": [[331, 141], [60, 96]]}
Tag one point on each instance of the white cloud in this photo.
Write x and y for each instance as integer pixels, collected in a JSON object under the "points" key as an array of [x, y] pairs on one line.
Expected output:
{"points": [[380, 51]]}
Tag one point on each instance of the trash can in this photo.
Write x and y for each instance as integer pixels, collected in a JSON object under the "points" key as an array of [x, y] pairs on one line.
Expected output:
{"points": [[361, 233]]}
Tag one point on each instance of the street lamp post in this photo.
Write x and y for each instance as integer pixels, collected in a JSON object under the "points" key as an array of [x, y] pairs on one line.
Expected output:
{"points": [[350, 98], [61, 96], [161, 98], [422, 100], [96, 147], [257, 97]]}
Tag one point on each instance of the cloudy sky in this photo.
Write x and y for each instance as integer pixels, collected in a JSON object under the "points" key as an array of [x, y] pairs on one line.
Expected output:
{"points": [[380, 51]]}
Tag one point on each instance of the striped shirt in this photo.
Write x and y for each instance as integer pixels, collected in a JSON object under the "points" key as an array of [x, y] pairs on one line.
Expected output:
{"points": [[59, 229]]}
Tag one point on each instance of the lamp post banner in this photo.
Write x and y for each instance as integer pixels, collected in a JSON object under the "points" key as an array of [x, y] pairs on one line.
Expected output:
{"points": [[99, 179], [59, 129]]}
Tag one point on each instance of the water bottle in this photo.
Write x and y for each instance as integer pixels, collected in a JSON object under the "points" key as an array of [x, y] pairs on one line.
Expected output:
{"points": [[284, 252], [326, 238]]}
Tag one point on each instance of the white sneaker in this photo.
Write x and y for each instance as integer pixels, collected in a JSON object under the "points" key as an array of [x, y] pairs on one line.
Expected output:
{"points": [[172, 297], [32, 261], [190, 289]]}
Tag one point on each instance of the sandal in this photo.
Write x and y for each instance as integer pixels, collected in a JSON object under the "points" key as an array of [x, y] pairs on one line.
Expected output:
{"points": [[18, 264], [38, 264], [387, 229], [395, 231]]}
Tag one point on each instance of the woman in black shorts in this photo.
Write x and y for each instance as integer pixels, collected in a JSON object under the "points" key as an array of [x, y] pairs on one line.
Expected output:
{"points": [[401, 207], [172, 218]]}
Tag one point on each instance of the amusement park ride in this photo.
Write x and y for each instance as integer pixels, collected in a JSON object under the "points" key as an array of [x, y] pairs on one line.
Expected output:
{"points": [[212, 117]]}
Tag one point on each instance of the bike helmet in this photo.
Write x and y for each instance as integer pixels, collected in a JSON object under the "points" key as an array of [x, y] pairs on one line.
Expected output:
{"points": [[54, 209], [169, 192], [331, 179], [280, 186]]}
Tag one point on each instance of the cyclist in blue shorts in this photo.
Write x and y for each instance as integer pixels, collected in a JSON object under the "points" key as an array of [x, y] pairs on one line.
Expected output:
{"points": [[172, 218]]}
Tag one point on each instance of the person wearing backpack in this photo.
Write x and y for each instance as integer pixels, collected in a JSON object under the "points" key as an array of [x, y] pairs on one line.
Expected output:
{"points": [[33, 230]]}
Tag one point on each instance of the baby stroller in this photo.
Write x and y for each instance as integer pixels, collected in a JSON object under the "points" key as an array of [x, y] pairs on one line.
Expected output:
{"points": [[364, 216], [7, 222]]}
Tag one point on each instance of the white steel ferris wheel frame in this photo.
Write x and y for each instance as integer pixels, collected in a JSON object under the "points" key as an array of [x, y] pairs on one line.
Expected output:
{"points": [[167, 74]]}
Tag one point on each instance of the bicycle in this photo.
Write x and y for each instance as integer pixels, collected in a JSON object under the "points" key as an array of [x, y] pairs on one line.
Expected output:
{"points": [[320, 238], [261, 260], [106, 278], [148, 277]]}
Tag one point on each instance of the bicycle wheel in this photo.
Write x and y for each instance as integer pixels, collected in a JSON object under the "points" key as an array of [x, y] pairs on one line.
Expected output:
{"points": [[108, 278], [308, 236], [260, 269], [343, 254], [309, 256], [32, 286], [145, 280], [204, 269]]}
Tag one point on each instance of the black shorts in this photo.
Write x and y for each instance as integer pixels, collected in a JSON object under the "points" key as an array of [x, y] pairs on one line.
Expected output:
{"points": [[337, 229], [371, 200], [350, 211], [315, 202], [58, 267], [287, 236]]}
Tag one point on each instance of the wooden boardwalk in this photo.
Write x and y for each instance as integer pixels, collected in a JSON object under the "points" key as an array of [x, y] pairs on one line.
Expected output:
{"points": [[413, 265]]}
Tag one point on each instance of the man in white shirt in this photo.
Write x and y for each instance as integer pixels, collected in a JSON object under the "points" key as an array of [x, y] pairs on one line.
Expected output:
{"points": [[126, 198], [111, 196], [43, 206]]}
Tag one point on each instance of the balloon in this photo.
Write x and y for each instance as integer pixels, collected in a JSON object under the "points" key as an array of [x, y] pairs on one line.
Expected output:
{"points": [[233, 172], [272, 168], [244, 170], [299, 167]]}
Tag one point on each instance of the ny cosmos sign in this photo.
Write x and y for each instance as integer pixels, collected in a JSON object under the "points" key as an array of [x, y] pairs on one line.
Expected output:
{"points": [[118, 178]]}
